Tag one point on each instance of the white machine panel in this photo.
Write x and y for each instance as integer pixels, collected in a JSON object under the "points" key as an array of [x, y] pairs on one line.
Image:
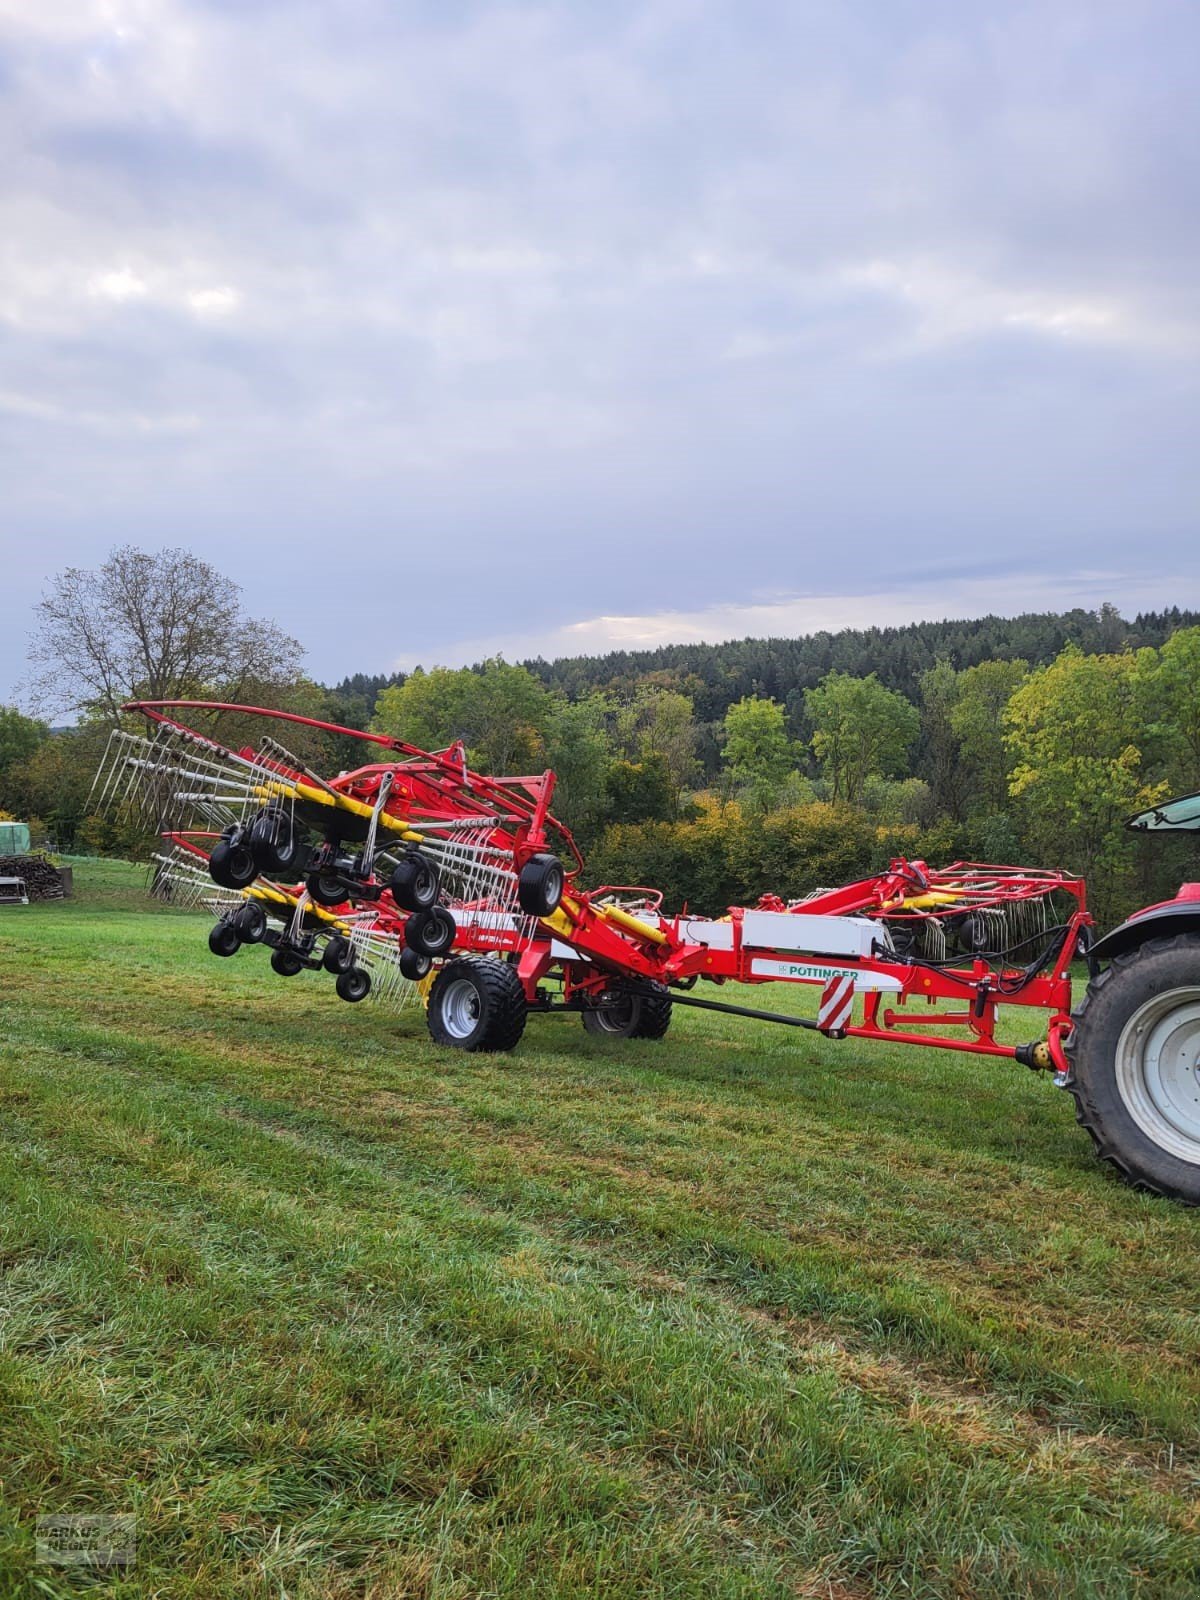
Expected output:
{"points": [[799, 930], [821, 972], [700, 930]]}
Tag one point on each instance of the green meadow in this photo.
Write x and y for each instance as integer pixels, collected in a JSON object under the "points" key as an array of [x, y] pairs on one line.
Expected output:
{"points": [[748, 1313]]}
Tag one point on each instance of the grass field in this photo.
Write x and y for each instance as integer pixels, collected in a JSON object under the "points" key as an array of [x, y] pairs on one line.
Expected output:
{"points": [[745, 1313]]}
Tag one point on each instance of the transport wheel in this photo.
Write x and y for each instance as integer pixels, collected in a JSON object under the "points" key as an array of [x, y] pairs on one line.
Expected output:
{"points": [[250, 921], [477, 1004], [1135, 1066], [415, 883], [339, 954], [285, 963], [326, 888], [623, 1015], [413, 965], [223, 940], [275, 844], [354, 984], [540, 885], [430, 933], [231, 864]]}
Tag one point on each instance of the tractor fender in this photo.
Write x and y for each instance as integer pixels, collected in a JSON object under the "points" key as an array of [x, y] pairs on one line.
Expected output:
{"points": [[1162, 921]]}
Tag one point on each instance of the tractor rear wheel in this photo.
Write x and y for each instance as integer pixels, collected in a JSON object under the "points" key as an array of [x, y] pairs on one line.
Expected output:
{"points": [[622, 1014], [1135, 1066], [477, 1004]]}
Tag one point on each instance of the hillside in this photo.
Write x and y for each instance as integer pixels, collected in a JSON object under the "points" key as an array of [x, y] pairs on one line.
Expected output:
{"points": [[781, 669]]}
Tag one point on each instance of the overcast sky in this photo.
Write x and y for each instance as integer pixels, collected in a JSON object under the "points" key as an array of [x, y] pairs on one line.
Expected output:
{"points": [[449, 327]]}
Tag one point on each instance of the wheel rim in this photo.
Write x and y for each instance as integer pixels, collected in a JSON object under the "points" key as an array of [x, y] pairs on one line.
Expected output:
{"points": [[241, 867], [616, 1016], [460, 1008], [1158, 1071]]}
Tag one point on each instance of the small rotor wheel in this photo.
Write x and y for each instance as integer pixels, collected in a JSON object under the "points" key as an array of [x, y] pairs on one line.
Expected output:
{"points": [[415, 882], [430, 933], [326, 888], [250, 920], [414, 965], [286, 963], [231, 863], [224, 939], [354, 984], [338, 956], [540, 885], [275, 844]]}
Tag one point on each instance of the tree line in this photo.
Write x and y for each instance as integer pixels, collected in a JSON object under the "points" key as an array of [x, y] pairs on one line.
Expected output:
{"points": [[711, 772]]}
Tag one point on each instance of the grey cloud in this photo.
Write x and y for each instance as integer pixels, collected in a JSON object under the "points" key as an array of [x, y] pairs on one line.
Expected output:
{"points": [[541, 312]]}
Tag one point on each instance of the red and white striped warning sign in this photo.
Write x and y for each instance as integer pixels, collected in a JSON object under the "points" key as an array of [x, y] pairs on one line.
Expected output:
{"points": [[837, 1004]]}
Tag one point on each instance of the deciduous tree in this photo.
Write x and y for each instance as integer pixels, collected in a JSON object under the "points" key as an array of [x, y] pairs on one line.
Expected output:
{"points": [[1074, 732], [19, 737], [862, 730], [977, 721], [658, 726], [155, 626], [500, 712], [1168, 683], [940, 746], [758, 752]]}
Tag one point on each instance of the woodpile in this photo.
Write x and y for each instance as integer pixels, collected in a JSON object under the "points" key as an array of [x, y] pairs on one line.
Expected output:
{"points": [[42, 879]]}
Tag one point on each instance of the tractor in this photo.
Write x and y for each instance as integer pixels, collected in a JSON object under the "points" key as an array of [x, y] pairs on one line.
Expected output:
{"points": [[1134, 1052]]}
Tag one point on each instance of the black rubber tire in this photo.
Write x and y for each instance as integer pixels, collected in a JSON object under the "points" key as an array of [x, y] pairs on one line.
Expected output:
{"points": [[354, 984], [223, 939], [338, 956], [326, 888], [276, 845], [414, 966], [286, 963], [631, 1016], [416, 883], [540, 885], [250, 921], [499, 1004], [231, 864], [1112, 998], [430, 933]]}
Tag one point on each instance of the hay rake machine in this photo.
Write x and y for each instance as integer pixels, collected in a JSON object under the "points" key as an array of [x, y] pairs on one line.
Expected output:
{"points": [[414, 879]]}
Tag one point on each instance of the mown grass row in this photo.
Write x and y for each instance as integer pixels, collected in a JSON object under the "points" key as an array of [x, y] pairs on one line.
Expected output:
{"points": [[745, 1313]]}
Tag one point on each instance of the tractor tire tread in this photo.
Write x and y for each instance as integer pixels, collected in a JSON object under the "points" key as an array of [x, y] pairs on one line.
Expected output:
{"points": [[655, 1016], [1088, 1114]]}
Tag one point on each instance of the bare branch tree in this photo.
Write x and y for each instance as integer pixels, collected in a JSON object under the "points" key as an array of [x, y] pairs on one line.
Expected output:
{"points": [[148, 626]]}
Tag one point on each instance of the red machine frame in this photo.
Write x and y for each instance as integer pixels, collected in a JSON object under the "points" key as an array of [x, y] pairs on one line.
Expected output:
{"points": [[593, 940]]}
